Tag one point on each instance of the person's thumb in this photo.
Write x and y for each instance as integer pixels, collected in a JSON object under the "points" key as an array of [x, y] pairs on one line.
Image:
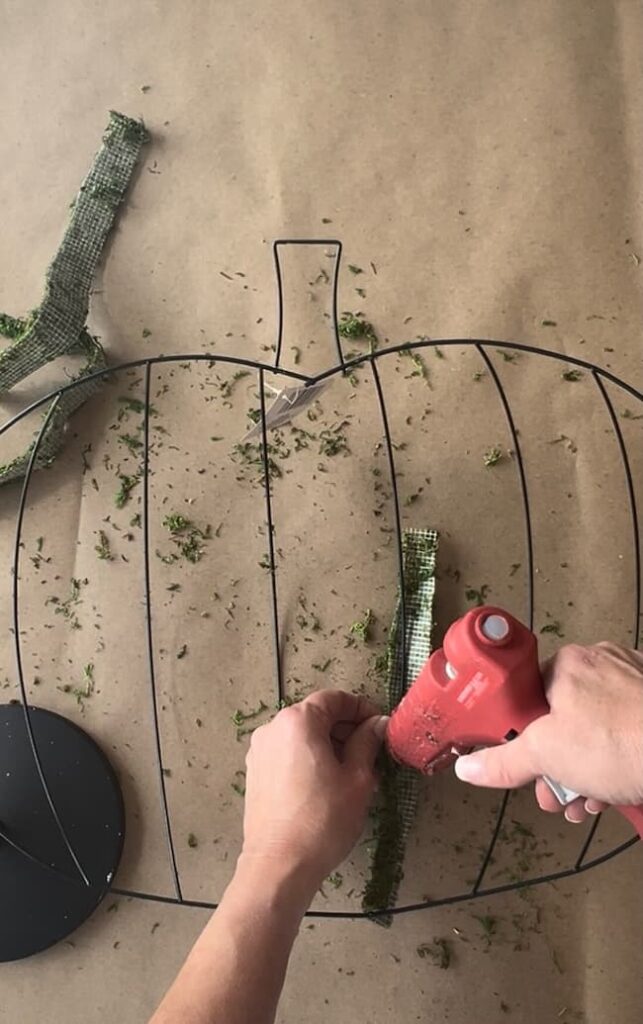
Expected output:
{"points": [[364, 745], [504, 767]]}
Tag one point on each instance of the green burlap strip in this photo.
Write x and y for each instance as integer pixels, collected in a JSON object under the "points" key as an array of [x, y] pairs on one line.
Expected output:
{"points": [[57, 327], [398, 793]]}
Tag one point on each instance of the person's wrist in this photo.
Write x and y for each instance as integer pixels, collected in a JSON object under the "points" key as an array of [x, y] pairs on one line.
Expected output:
{"points": [[278, 875]]}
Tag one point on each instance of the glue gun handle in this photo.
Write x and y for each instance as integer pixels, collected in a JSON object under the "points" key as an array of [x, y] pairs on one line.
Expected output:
{"points": [[634, 815]]}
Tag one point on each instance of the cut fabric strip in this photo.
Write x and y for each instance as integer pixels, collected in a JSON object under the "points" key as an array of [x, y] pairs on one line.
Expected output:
{"points": [[399, 785], [57, 326]]}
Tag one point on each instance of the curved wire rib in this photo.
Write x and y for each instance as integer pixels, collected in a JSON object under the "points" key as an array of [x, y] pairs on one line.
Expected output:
{"points": [[254, 364], [271, 542], [409, 908], [530, 576], [136, 364], [19, 848], [518, 346], [18, 649], [631, 495], [280, 290], [150, 635]]}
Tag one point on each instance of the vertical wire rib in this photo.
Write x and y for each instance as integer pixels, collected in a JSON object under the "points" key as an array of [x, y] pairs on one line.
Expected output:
{"points": [[530, 574], [17, 643], [522, 477], [588, 842], [150, 634], [271, 541], [631, 494], [486, 860], [396, 510], [637, 560], [280, 302]]}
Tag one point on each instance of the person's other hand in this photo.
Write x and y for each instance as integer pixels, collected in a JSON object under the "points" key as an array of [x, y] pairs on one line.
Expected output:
{"points": [[591, 742], [310, 780]]}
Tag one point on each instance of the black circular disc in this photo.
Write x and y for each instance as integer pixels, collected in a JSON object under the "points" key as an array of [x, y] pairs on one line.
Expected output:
{"points": [[48, 884]]}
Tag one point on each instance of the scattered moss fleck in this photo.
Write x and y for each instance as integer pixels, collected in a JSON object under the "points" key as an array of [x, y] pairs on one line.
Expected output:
{"points": [[67, 608], [362, 628], [553, 627], [354, 326], [131, 404], [322, 666], [492, 456], [421, 369], [477, 597], [437, 952], [187, 536], [240, 717], [489, 925], [127, 485], [103, 549], [239, 786], [228, 386], [333, 441], [130, 441]]}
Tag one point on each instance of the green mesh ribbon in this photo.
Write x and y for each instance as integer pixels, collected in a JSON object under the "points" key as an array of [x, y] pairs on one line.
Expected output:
{"points": [[57, 327], [399, 785]]}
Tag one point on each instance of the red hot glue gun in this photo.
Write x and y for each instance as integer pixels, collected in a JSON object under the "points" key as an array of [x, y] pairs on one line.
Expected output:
{"points": [[482, 688]]}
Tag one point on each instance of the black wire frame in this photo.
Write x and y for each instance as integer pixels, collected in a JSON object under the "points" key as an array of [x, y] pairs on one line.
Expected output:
{"points": [[599, 375]]}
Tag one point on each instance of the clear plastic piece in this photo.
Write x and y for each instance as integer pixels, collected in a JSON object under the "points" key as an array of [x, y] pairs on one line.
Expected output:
{"points": [[288, 403], [562, 793]]}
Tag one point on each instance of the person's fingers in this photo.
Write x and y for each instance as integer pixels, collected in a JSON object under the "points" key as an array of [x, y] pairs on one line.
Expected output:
{"points": [[342, 731], [504, 767], [546, 799], [547, 675], [340, 706], [363, 746], [575, 811], [595, 806]]}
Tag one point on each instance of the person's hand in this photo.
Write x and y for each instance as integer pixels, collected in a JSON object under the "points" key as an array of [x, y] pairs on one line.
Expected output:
{"points": [[591, 742], [310, 780]]}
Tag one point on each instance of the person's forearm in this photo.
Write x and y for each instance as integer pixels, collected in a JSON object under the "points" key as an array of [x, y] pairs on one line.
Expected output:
{"points": [[236, 970]]}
